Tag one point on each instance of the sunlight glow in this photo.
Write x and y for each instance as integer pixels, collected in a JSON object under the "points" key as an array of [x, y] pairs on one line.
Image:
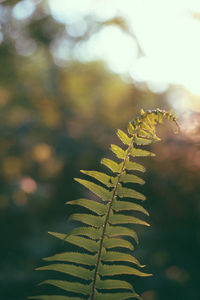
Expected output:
{"points": [[166, 31]]}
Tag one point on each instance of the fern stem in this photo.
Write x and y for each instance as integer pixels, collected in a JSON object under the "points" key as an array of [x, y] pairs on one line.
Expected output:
{"points": [[106, 220]]}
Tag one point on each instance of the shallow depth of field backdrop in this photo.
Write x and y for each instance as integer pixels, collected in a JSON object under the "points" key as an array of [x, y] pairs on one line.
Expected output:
{"points": [[70, 75]]}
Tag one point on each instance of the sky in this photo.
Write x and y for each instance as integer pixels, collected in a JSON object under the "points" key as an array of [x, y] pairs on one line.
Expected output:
{"points": [[166, 30]]}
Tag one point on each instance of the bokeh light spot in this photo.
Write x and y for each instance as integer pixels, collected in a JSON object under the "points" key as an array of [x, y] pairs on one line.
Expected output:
{"points": [[23, 10], [42, 152], [28, 185]]}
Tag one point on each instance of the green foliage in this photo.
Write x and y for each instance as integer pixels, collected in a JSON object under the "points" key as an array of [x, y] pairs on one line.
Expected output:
{"points": [[93, 274]]}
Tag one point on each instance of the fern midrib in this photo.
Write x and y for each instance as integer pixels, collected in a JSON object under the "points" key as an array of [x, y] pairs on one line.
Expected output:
{"points": [[107, 218]]}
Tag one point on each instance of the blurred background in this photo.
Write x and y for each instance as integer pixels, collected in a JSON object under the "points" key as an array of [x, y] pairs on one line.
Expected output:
{"points": [[71, 73]]}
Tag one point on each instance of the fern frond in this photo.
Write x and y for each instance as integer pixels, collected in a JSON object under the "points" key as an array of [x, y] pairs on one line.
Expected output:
{"points": [[103, 249]]}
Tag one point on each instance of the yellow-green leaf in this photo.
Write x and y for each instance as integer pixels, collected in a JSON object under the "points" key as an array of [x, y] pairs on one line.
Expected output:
{"points": [[116, 296], [140, 153], [111, 270], [131, 178], [82, 242], [143, 141], [131, 129], [119, 152], [129, 193], [124, 137], [98, 208], [75, 287], [72, 270], [74, 257], [110, 284], [91, 232], [115, 231], [102, 177], [125, 205], [112, 165], [117, 243], [113, 256], [129, 165], [96, 189], [124, 219], [96, 221]]}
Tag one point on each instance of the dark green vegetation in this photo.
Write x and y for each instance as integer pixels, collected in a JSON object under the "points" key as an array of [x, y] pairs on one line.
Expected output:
{"points": [[103, 239], [57, 117]]}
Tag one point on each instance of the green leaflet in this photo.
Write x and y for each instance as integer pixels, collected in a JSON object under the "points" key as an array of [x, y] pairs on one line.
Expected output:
{"points": [[102, 177], [87, 244], [140, 153], [75, 287], [143, 141], [124, 137], [75, 257], [112, 165], [114, 231], [117, 243], [96, 207], [96, 221], [116, 296], [119, 152], [131, 129], [124, 205], [134, 166], [131, 178], [111, 270], [124, 219], [113, 284], [54, 297], [96, 189], [72, 270], [91, 232], [119, 256], [148, 128], [129, 193]]}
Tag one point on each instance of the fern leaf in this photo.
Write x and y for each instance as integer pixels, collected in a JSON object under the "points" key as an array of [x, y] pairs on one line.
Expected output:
{"points": [[130, 193], [88, 219], [124, 205], [110, 243], [134, 166], [73, 257], [106, 230], [131, 129], [120, 296], [142, 141], [112, 165], [102, 177], [72, 270], [69, 286], [119, 152], [96, 189], [124, 219], [113, 284], [124, 137], [114, 231], [87, 244], [91, 232], [112, 256], [108, 270], [96, 207], [132, 178], [135, 152]]}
